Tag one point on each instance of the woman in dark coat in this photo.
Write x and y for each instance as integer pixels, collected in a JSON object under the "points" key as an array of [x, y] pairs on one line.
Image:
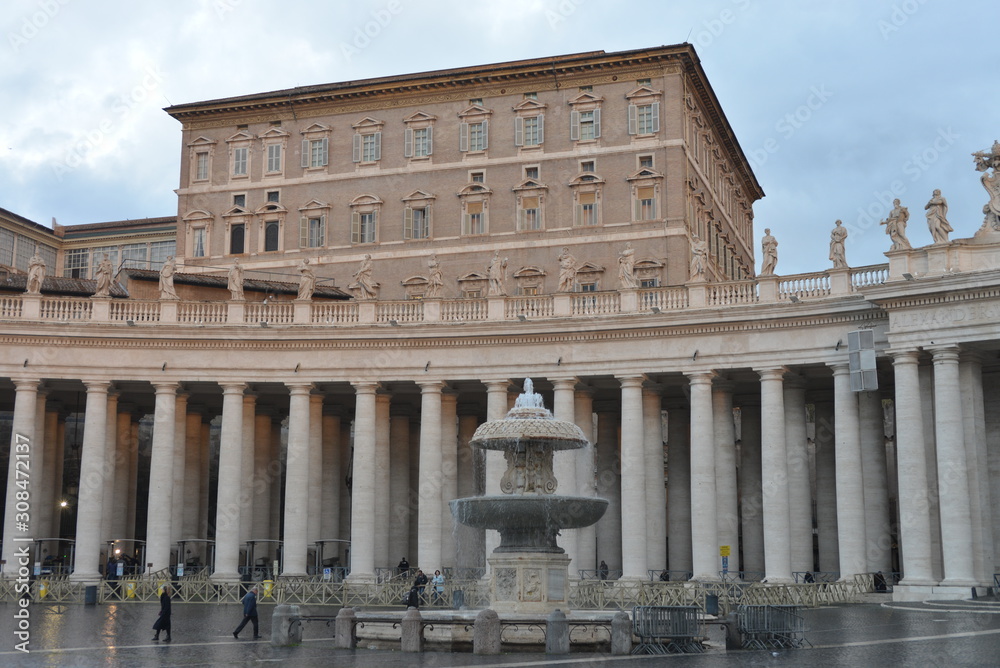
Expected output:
{"points": [[162, 622]]}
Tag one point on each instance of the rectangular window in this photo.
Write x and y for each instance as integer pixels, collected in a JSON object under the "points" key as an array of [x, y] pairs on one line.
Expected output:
{"points": [[273, 158], [240, 201], [136, 256], [198, 238], [416, 223], [418, 143], [477, 136], [648, 283], [77, 260], [6, 247], [645, 205], [315, 152], [363, 227], [237, 239], [368, 148], [643, 119], [529, 131], [98, 256], [474, 222], [586, 212], [588, 287], [312, 232], [585, 125], [272, 195], [159, 251], [272, 233], [25, 249], [201, 166], [531, 214], [531, 96], [478, 177], [240, 161], [587, 166], [529, 290], [531, 173], [645, 162]]}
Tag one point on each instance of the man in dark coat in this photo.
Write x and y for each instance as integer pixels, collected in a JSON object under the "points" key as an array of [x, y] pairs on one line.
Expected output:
{"points": [[162, 622], [249, 614]]}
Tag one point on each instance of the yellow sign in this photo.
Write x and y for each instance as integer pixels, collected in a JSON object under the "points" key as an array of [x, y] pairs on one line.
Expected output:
{"points": [[723, 550]]}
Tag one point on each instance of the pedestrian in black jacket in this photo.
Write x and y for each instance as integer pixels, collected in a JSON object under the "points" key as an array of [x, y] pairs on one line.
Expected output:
{"points": [[162, 622], [249, 614]]}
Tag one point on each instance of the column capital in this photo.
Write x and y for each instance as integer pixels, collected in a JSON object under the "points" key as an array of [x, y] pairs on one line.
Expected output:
{"points": [[27, 384], [700, 377], [944, 353], [101, 386], [565, 383], [299, 388], [497, 385], [233, 388], [970, 356], [631, 381], [772, 373], [907, 356], [365, 386], [839, 368], [429, 386]]}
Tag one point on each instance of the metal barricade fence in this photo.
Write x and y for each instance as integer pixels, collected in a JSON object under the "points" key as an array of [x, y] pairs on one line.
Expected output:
{"points": [[771, 626], [666, 629]]}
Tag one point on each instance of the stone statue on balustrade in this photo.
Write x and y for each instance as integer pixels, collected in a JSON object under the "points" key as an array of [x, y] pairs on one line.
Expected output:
{"points": [[626, 268], [167, 279], [363, 282], [895, 226], [837, 253], [567, 270], [435, 281], [102, 276], [307, 280], [699, 259], [989, 164], [769, 253], [937, 218], [236, 281], [497, 273], [36, 274]]}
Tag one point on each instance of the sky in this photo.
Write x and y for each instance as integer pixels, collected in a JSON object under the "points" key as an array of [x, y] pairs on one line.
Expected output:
{"points": [[840, 106]]}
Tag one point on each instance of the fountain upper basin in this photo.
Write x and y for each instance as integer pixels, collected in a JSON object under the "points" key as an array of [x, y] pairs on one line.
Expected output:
{"points": [[528, 522]]}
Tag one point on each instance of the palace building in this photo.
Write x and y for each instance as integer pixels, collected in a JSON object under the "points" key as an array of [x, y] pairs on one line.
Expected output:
{"points": [[289, 370]]}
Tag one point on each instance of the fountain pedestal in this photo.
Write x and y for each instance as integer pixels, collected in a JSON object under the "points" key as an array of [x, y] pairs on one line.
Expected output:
{"points": [[528, 582]]}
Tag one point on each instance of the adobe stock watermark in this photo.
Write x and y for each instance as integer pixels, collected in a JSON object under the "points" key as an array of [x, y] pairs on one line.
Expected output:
{"points": [[121, 108], [712, 29], [32, 24], [790, 123], [899, 16], [914, 168], [371, 29], [21, 461], [562, 11], [223, 7]]}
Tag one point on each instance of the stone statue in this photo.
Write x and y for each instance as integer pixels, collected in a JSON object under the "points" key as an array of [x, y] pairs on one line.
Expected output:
{"points": [[626, 268], [567, 270], [436, 281], [895, 226], [363, 281], [103, 277], [307, 280], [937, 218], [769, 248], [496, 272], [167, 279], [36, 273], [699, 258], [837, 254], [236, 281], [991, 182]]}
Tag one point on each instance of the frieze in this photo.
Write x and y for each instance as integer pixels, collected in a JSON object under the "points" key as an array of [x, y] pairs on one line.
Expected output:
{"points": [[945, 316]]}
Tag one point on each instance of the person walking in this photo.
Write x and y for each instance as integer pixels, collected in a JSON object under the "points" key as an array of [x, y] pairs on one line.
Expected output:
{"points": [[162, 622], [249, 614]]}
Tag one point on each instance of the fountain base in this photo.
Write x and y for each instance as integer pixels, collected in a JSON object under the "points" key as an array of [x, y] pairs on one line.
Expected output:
{"points": [[528, 582]]}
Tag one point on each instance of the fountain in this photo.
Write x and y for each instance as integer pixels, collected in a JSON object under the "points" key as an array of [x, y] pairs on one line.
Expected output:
{"points": [[529, 572]]}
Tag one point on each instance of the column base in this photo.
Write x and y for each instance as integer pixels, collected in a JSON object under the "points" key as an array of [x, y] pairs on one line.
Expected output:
{"points": [[224, 578], [86, 578], [360, 578], [705, 577], [959, 582]]}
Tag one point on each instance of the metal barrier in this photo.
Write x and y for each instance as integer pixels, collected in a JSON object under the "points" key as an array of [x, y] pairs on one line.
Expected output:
{"points": [[662, 629], [586, 574], [669, 576], [741, 576], [771, 626], [817, 576]]}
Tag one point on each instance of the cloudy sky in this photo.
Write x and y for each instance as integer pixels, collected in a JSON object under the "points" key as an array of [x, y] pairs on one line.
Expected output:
{"points": [[838, 104]]}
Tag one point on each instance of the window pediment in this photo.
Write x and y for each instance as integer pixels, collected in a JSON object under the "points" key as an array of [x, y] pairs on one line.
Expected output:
{"points": [[648, 264], [419, 117], [643, 92], [589, 268], [197, 214], [529, 105], [316, 128], [529, 272], [418, 195], [586, 179], [314, 204], [202, 141], [474, 189], [475, 111], [644, 173], [368, 123], [275, 133], [586, 100], [414, 281], [472, 276], [529, 184], [366, 200], [236, 211], [241, 136], [271, 207]]}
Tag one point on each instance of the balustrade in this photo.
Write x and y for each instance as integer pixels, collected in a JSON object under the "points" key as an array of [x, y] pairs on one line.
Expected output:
{"points": [[334, 313], [66, 309], [406, 311], [274, 313], [202, 313], [135, 310], [462, 310], [804, 285]]}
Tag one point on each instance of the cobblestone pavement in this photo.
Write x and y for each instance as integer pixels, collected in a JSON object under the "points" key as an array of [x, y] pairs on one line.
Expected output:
{"points": [[119, 635]]}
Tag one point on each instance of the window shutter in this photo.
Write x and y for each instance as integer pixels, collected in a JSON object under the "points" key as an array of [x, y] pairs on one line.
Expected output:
{"points": [[407, 223], [579, 214], [466, 223], [574, 125], [541, 128], [357, 148], [430, 140], [486, 135], [638, 210], [378, 145], [408, 143], [303, 232], [325, 152], [355, 227], [518, 131], [322, 230], [305, 153], [633, 119], [463, 137], [656, 117], [597, 123]]}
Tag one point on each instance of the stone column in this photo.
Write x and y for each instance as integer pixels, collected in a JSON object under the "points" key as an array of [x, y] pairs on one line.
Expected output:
{"points": [[316, 463], [332, 481], [204, 490], [429, 490], [227, 514], [363, 485], [878, 537], [39, 465], [926, 376], [609, 527], [751, 491], [656, 490], [399, 484], [133, 474], [633, 481], [496, 408], [414, 489], [953, 477], [179, 498], [724, 436], [161, 480], [89, 520], [192, 472], [564, 462], [679, 487], [826, 487], [18, 532], [704, 527], [279, 457], [296, 536], [974, 427], [49, 497], [264, 476], [991, 420], [911, 467], [774, 477], [468, 540], [383, 467], [850, 488], [449, 475], [247, 467], [586, 538], [799, 491]]}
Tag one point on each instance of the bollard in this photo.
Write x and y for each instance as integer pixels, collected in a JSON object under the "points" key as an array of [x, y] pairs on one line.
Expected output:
{"points": [[345, 638], [90, 595], [556, 633], [286, 629], [486, 633], [411, 639], [621, 634]]}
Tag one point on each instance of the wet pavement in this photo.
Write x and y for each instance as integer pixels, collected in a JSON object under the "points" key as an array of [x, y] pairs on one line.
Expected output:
{"points": [[111, 635]]}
